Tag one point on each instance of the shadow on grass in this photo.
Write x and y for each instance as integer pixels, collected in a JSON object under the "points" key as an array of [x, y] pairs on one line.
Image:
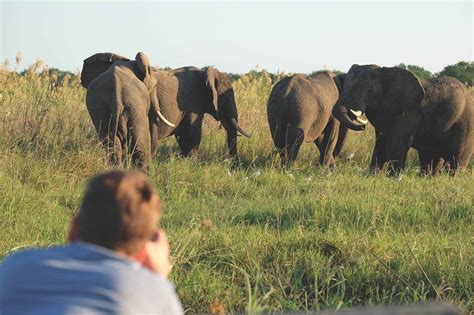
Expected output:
{"points": [[286, 219]]}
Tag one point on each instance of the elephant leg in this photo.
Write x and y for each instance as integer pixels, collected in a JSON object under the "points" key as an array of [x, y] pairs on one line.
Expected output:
{"points": [[279, 138], [341, 139], [328, 144], [293, 139], [451, 164], [426, 160], [101, 118], [189, 134], [118, 142], [430, 162], [232, 145], [116, 154], [378, 156], [459, 160]]}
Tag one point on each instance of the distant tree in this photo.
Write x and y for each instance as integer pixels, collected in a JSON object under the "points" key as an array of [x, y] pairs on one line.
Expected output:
{"points": [[420, 72], [233, 76], [60, 74], [335, 71], [463, 71]]}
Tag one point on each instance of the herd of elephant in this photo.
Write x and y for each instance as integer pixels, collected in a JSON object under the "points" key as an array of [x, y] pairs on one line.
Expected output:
{"points": [[133, 106]]}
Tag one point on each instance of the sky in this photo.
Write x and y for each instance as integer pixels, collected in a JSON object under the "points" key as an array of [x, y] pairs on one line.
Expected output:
{"points": [[239, 36]]}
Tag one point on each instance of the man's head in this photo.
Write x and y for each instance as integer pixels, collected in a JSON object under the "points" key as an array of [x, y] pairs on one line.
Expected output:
{"points": [[119, 211]]}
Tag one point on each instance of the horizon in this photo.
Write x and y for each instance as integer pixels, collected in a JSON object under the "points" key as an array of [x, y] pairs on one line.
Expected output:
{"points": [[240, 37]]}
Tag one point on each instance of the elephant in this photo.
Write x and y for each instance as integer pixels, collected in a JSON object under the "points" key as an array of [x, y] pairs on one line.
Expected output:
{"points": [[299, 109], [183, 96], [120, 99], [435, 117]]}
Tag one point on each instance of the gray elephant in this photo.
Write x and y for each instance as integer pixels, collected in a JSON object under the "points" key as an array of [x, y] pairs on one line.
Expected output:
{"points": [[183, 96], [299, 109], [436, 117], [120, 100]]}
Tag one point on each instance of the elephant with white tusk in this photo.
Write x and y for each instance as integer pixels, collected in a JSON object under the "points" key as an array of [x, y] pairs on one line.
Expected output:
{"points": [[121, 99], [436, 117], [178, 100]]}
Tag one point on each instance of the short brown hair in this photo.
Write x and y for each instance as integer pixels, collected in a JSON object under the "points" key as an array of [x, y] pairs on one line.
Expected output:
{"points": [[119, 211]]}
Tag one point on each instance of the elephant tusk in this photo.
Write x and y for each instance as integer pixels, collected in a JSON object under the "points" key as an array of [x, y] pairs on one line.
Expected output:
{"points": [[236, 125], [166, 121], [356, 113], [362, 120]]}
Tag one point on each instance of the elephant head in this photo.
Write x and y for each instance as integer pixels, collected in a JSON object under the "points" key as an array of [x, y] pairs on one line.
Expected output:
{"points": [[341, 111], [392, 96], [387, 90], [224, 107]]}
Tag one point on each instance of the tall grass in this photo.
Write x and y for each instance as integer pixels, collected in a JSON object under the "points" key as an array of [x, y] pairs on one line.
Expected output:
{"points": [[251, 238]]}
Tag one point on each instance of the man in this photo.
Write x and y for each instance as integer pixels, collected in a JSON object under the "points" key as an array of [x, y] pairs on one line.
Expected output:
{"points": [[117, 261]]}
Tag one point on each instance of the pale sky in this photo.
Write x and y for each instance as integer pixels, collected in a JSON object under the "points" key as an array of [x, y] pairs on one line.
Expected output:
{"points": [[237, 36]]}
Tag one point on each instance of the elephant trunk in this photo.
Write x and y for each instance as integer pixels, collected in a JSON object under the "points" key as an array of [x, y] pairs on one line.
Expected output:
{"points": [[228, 117], [348, 117], [232, 142]]}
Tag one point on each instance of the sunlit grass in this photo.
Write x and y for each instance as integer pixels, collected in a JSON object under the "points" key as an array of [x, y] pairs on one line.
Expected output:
{"points": [[251, 237]]}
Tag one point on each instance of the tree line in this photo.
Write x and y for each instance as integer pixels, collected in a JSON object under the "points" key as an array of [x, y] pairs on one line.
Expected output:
{"points": [[463, 71]]}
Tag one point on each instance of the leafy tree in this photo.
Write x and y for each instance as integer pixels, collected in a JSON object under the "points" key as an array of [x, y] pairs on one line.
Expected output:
{"points": [[420, 72], [233, 76], [463, 71], [335, 71]]}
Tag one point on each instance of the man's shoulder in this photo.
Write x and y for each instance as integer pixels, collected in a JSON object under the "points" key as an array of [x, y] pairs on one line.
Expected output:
{"points": [[84, 258], [31, 255], [75, 268]]}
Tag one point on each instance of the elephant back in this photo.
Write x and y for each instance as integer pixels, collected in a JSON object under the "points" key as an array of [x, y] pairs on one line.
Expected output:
{"points": [[445, 102], [96, 64]]}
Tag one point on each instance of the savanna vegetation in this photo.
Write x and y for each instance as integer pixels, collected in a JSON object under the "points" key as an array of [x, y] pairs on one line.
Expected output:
{"points": [[251, 238]]}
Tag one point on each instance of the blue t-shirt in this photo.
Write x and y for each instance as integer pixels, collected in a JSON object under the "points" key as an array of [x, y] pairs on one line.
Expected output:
{"points": [[81, 278]]}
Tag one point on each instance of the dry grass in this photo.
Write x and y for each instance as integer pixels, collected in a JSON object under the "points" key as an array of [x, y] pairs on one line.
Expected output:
{"points": [[251, 238]]}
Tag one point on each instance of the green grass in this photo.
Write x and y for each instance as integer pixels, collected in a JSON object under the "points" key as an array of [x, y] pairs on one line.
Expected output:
{"points": [[256, 237]]}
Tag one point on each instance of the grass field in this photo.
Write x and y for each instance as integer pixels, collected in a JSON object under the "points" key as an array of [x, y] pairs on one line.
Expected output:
{"points": [[253, 238]]}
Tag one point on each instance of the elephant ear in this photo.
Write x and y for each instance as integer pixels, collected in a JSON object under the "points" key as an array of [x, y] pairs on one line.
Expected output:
{"points": [[96, 64], [212, 84], [144, 69], [403, 91], [339, 80]]}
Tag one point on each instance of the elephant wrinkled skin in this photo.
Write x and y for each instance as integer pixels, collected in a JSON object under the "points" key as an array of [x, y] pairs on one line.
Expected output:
{"points": [[436, 117], [299, 109]]}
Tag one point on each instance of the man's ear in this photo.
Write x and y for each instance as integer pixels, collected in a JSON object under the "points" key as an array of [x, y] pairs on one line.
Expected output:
{"points": [[73, 234]]}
